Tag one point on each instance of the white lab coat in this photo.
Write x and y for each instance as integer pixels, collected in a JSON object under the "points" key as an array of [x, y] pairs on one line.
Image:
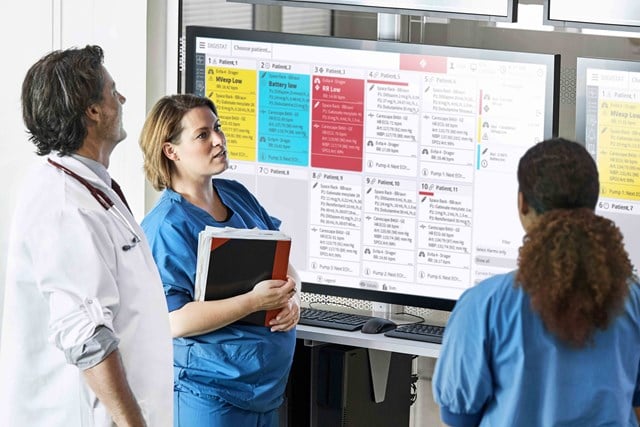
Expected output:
{"points": [[67, 274]]}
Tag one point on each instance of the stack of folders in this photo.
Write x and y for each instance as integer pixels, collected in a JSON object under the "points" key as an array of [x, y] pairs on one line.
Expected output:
{"points": [[232, 261]]}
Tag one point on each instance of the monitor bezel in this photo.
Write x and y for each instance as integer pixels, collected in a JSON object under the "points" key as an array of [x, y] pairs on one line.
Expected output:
{"points": [[582, 65], [555, 22], [551, 61], [400, 9]]}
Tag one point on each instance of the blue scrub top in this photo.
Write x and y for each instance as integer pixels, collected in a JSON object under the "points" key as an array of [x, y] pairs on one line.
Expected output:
{"points": [[500, 367], [244, 365]]}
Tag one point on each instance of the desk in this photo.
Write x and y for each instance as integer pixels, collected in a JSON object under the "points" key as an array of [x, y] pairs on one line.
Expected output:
{"points": [[314, 335], [375, 392]]}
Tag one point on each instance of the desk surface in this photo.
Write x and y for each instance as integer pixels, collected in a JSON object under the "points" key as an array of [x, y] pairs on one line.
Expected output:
{"points": [[317, 335]]}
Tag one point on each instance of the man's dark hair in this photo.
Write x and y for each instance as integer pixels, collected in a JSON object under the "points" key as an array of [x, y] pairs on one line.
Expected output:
{"points": [[55, 95]]}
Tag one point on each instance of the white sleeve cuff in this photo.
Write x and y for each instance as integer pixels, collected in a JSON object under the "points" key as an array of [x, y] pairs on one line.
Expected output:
{"points": [[79, 326]]}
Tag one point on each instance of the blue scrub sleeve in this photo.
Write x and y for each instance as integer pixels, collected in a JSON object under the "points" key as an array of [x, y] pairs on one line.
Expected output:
{"points": [[459, 420], [176, 299], [636, 393], [175, 255], [462, 381], [275, 222]]}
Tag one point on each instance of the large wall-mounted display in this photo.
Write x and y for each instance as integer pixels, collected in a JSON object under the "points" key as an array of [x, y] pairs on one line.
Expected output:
{"points": [[612, 15], [608, 121], [485, 10], [392, 165]]}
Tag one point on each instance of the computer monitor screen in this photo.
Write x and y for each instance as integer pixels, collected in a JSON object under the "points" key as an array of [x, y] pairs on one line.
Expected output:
{"points": [[391, 165], [619, 14], [486, 10], [608, 121]]}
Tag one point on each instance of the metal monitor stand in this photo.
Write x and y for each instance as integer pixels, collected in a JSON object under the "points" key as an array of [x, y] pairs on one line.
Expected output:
{"points": [[391, 27]]}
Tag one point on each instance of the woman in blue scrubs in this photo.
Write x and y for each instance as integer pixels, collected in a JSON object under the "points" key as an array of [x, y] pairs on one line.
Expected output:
{"points": [[225, 373], [556, 342]]}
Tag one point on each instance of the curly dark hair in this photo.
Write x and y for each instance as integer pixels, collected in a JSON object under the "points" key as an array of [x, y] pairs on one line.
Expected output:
{"points": [[55, 95], [558, 174], [573, 264]]}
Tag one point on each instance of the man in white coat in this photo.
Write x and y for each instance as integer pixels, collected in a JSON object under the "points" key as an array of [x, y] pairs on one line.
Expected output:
{"points": [[86, 338]]}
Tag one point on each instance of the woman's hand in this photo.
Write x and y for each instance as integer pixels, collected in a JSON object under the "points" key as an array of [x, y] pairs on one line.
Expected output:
{"points": [[288, 317], [201, 317], [272, 294]]}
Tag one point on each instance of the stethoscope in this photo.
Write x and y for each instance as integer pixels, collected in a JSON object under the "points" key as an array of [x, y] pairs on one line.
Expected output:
{"points": [[104, 200]]}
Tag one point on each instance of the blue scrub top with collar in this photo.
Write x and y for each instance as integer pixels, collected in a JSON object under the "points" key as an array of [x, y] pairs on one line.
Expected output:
{"points": [[244, 365], [499, 365]]}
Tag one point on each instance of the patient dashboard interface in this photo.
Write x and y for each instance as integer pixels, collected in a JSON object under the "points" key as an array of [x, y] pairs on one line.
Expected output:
{"points": [[393, 172]]}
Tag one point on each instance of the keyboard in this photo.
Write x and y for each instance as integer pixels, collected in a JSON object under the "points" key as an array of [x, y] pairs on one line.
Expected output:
{"points": [[418, 332], [332, 319]]}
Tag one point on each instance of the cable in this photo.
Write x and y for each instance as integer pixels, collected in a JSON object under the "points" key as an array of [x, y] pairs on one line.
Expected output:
{"points": [[414, 389]]}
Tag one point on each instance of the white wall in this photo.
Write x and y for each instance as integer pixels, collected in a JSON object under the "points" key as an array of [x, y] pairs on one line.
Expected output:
{"points": [[19, 49], [31, 29], [20, 53]]}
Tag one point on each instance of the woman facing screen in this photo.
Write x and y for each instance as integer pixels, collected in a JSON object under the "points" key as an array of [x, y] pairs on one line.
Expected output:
{"points": [[556, 342]]}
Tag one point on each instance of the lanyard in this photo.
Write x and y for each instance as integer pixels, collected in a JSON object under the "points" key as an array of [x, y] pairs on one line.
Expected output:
{"points": [[104, 200]]}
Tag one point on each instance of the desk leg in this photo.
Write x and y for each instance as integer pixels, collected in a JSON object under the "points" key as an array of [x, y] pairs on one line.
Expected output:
{"points": [[314, 349], [379, 362], [335, 385]]}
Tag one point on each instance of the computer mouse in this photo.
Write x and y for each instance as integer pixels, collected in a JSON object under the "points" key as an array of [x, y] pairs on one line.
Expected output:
{"points": [[377, 325]]}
